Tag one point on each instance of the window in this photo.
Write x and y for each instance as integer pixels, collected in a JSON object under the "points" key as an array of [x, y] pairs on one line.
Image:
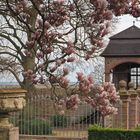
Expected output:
{"points": [[135, 76]]}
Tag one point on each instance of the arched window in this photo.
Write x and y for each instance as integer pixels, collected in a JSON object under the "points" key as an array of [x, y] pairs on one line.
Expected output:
{"points": [[135, 76]]}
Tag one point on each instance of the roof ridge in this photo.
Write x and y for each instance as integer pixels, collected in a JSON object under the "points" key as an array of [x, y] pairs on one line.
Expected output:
{"points": [[125, 43], [131, 32]]}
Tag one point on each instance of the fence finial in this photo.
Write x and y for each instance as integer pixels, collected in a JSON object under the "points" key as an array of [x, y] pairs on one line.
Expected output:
{"points": [[131, 91], [131, 86], [122, 85], [138, 90]]}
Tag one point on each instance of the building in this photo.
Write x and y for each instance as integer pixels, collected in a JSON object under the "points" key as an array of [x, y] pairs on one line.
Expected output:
{"points": [[122, 57]]}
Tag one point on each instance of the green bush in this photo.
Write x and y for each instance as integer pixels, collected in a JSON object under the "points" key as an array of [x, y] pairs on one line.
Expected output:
{"points": [[59, 121], [98, 133], [35, 127]]}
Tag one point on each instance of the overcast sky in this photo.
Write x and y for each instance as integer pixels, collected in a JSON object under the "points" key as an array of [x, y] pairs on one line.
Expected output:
{"points": [[125, 22]]}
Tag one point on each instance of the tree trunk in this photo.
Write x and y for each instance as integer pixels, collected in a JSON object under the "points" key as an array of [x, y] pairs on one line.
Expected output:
{"points": [[29, 63]]}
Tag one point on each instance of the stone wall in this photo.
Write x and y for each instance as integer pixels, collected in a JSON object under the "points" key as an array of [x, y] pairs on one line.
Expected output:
{"points": [[26, 137]]}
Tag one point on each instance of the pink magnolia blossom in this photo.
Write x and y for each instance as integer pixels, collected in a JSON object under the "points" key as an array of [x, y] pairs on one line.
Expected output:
{"points": [[24, 2], [39, 55], [53, 80], [80, 76], [101, 3], [30, 44], [60, 1], [63, 81], [53, 69], [70, 59], [65, 71], [47, 25], [72, 101], [87, 57], [72, 7], [68, 50], [27, 53], [39, 23], [85, 83], [90, 78], [19, 7], [58, 62], [104, 32], [108, 15], [41, 67], [48, 50]]}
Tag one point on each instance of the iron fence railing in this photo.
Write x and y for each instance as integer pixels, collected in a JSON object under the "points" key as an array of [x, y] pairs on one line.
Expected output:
{"points": [[39, 118]]}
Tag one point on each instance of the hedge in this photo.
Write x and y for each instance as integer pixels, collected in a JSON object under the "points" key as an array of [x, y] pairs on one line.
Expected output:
{"points": [[98, 133], [35, 127]]}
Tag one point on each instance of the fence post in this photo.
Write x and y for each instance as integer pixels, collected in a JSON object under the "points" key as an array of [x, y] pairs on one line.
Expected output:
{"points": [[124, 96], [138, 92], [133, 105]]}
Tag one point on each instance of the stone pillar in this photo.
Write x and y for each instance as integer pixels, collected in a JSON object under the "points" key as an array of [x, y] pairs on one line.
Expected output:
{"points": [[117, 118], [11, 133], [133, 106], [7, 130], [138, 92], [124, 96], [11, 100]]}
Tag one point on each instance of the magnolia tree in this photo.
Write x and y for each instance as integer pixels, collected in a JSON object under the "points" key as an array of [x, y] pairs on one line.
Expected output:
{"points": [[38, 37]]}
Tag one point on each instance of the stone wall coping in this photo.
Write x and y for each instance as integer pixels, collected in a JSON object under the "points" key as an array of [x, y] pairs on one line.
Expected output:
{"points": [[15, 90]]}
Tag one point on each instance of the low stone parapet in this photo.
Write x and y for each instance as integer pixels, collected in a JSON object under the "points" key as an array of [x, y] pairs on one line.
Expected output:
{"points": [[33, 137]]}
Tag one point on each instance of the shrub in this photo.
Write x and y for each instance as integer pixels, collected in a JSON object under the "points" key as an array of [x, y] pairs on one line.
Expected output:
{"points": [[35, 127], [59, 121], [98, 133]]}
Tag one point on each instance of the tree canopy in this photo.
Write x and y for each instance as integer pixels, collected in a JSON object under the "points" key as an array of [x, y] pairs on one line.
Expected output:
{"points": [[38, 37]]}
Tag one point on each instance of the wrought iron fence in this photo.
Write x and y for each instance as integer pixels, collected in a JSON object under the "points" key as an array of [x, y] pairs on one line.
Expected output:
{"points": [[40, 118]]}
